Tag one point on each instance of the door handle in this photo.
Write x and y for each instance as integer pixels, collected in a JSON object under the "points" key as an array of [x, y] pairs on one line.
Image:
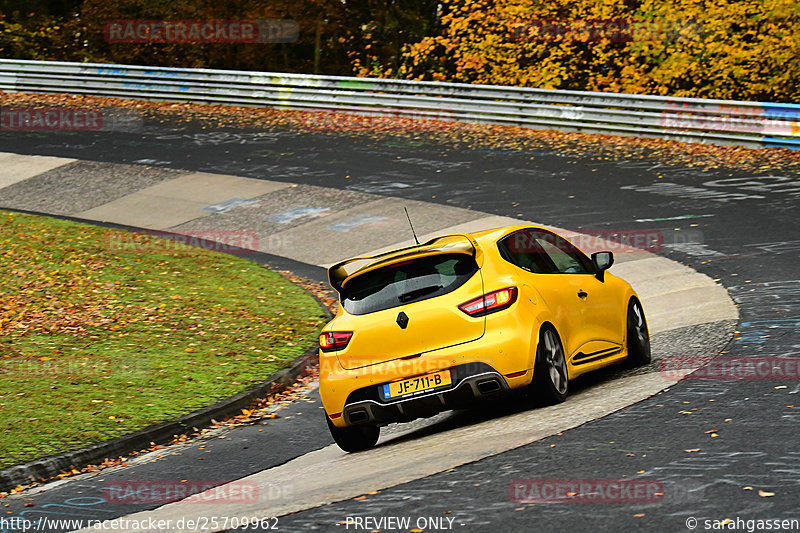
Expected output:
{"points": [[582, 294]]}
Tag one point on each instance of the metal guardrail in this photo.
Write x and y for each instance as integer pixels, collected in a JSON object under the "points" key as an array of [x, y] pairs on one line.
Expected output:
{"points": [[756, 124]]}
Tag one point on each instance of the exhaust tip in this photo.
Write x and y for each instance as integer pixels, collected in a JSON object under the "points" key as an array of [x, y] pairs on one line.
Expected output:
{"points": [[357, 416], [488, 386]]}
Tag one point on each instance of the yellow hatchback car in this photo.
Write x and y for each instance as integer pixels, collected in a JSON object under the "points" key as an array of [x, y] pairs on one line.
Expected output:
{"points": [[436, 326]]}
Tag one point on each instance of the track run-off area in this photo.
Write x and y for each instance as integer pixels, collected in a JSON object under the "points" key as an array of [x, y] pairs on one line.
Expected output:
{"points": [[727, 261]]}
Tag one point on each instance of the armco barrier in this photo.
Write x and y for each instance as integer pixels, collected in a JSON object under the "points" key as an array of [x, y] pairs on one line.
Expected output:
{"points": [[755, 124]]}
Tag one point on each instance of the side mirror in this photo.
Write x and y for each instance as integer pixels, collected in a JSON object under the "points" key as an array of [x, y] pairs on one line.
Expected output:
{"points": [[602, 261]]}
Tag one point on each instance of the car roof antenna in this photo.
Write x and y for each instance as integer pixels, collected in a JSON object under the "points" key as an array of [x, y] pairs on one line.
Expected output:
{"points": [[412, 226]]}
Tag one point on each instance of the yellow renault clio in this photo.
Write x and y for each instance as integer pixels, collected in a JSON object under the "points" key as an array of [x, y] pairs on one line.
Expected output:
{"points": [[436, 326]]}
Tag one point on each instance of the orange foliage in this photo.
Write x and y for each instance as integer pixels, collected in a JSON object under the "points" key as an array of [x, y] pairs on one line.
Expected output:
{"points": [[732, 49]]}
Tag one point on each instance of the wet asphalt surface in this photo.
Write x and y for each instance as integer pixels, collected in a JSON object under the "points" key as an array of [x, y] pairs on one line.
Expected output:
{"points": [[740, 228]]}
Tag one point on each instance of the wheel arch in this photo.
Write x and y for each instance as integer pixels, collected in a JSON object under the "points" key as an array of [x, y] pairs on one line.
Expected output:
{"points": [[537, 334], [630, 296]]}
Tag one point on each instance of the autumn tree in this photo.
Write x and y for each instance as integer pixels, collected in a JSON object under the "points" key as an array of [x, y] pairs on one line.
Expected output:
{"points": [[746, 49], [318, 23], [378, 31], [40, 29]]}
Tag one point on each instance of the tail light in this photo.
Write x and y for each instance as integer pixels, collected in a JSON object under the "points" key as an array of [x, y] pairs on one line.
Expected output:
{"points": [[490, 302], [330, 341]]}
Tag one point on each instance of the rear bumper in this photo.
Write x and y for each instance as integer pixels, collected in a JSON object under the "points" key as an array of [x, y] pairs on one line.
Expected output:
{"points": [[470, 382], [504, 350]]}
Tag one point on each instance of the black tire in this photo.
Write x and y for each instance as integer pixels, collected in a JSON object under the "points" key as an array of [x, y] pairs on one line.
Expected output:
{"points": [[638, 336], [354, 438], [550, 378]]}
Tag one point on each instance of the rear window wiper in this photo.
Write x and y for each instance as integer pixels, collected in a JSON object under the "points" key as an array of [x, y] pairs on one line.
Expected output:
{"points": [[410, 295]]}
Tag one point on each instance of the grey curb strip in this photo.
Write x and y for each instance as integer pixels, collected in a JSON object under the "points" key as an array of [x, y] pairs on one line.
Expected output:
{"points": [[49, 467]]}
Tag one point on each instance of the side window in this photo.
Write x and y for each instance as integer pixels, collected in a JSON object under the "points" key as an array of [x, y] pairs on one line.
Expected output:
{"points": [[522, 248], [543, 252], [566, 258]]}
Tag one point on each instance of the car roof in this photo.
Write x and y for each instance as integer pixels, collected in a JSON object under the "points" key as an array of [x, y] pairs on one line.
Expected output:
{"points": [[495, 234]]}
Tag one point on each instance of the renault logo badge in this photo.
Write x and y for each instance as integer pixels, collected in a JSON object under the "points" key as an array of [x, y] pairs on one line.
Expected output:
{"points": [[402, 320]]}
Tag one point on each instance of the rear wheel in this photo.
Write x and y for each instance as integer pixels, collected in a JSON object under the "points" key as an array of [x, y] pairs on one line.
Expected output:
{"points": [[550, 378], [354, 438], [638, 335]]}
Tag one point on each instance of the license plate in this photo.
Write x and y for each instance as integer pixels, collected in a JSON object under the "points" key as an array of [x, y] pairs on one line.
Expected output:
{"points": [[417, 384]]}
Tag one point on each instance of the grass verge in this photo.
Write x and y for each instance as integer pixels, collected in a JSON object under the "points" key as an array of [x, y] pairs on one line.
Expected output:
{"points": [[97, 341]]}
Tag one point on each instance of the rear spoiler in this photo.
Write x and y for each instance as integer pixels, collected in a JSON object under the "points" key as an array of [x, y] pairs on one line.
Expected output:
{"points": [[455, 243]]}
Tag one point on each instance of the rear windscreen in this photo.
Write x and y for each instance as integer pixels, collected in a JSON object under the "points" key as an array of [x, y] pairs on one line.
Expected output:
{"points": [[406, 282]]}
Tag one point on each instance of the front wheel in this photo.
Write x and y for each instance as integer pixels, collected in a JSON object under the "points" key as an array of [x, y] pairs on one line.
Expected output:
{"points": [[354, 438], [550, 378], [638, 335]]}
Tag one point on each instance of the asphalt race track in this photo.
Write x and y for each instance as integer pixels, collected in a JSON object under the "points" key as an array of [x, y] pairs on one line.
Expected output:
{"points": [[719, 448]]}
